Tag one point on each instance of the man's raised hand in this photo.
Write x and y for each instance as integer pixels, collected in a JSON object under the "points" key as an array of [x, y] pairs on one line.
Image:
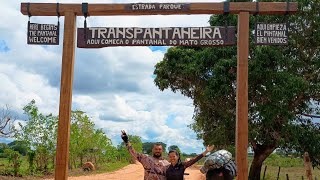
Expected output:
{"points": [[124, 136], [210, 148]]}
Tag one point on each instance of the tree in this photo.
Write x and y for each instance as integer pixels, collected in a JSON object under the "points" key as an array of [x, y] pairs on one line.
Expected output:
{"points": [[39, 133], [81, 141], [283, 84], [147, 147], [19, 146], [136, 144], [112, 154], [86, 142], [3, 147], [15, 159], [304, 137], [6, 122], [102, 146], [174, 147]]}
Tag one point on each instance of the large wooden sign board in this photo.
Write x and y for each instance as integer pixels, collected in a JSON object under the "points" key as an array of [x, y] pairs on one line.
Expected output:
{"points": [[97, 37], [70, 11]]}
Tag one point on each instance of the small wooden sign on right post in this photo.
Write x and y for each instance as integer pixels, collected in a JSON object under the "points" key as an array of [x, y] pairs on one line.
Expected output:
{"points": [[271, 34]]}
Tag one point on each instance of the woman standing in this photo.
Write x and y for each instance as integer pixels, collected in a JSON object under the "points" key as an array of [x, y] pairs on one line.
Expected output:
{"points": [[175, 170]]}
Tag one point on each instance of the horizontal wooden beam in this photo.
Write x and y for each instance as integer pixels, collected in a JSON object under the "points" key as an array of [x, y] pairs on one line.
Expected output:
{"points": [[50, 9]]}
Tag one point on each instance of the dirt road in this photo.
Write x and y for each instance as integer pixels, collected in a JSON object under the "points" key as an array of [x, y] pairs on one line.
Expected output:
{"points": [[134, 172], [130, 172]]}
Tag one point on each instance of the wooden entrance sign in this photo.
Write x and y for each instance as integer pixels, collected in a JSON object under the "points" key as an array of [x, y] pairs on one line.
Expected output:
{"points": [[70, 11], [97, 37]]}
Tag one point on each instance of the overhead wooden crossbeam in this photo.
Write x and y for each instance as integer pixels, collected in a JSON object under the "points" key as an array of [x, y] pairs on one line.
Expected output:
{"points": [[50, 9]]}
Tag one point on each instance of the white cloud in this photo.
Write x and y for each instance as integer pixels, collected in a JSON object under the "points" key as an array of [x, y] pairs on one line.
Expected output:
{"points": [[19, 87]]}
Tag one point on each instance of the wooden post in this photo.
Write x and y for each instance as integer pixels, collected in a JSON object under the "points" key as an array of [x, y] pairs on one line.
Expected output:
{"points": [[62, 155], [242, 96], [264, 172], [307, 165], [278, 173]]}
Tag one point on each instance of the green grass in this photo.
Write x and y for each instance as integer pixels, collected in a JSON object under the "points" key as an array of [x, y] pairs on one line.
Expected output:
{"points": [[293, 172], [6, 169], [294, 167], [277, 160]]}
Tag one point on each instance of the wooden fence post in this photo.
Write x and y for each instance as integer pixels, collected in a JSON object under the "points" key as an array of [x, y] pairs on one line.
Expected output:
{"points": [[278, 173], [264, 172], [307, 165]]}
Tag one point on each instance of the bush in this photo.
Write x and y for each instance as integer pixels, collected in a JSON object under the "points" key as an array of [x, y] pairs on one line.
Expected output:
{"points": [[14, 158], [278, 160], [3, 155]]}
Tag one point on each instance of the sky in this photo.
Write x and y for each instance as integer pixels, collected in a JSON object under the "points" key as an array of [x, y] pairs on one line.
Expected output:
{"points": [[113, 85]]}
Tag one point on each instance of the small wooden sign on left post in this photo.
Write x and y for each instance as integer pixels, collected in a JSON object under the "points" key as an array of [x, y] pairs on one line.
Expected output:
{"points": [[43, 34]]}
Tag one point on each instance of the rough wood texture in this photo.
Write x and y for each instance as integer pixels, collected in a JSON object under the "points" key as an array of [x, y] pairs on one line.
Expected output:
{"points": [[62, 155], [307, 165], [242, 96], [49, 9]]}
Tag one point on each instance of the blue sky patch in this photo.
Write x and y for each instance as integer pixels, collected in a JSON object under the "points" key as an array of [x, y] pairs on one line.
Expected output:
{"points": [[153, 76], [5, 140], [3, 46], [170, 121], [159, 48], [152, 135], [316, 120]]}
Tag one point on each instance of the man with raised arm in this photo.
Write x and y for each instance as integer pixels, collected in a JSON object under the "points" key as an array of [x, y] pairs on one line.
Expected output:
{"points": [[154, 166]]}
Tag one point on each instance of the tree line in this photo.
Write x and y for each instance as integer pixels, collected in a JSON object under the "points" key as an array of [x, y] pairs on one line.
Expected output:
{"points": [[35, 141]]}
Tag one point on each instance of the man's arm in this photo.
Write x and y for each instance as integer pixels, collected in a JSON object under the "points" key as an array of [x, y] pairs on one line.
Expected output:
{"points": [[134, 153], [165, 163], [192, 161]]}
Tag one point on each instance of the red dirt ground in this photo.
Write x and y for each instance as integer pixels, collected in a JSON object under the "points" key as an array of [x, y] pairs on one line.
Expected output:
{"points": [[134, 172]]}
